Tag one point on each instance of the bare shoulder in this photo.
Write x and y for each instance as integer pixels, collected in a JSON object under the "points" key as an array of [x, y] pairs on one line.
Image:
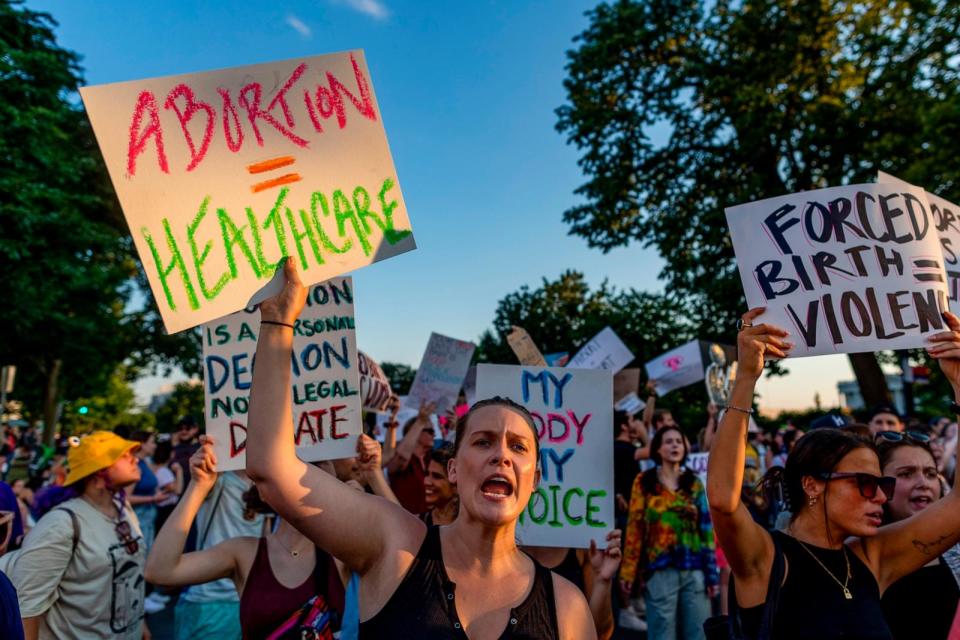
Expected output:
{"points": [[573, 613]]}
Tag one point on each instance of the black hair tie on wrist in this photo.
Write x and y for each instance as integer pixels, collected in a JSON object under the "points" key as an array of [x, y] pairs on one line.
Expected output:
{"points": [[279, 324]]}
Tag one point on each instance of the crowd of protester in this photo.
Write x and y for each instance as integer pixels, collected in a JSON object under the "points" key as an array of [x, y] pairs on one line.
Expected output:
{"points": [[828, 529]]}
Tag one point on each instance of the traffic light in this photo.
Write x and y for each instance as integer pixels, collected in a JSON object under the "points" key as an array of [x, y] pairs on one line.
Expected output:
{"points": [[83, 410]]}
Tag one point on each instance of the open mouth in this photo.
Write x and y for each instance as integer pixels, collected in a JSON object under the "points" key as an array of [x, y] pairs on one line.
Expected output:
{"points": [[921, 502], [875, 518], [496, 488]]}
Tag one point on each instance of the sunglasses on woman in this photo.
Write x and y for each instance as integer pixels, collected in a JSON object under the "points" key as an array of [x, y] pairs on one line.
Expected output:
{"points": [[867, 483], [125, 535], [909, 436]]}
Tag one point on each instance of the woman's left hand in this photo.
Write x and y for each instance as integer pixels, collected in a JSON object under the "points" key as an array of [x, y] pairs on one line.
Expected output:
{"points": [[946, 349], [606, 562]]}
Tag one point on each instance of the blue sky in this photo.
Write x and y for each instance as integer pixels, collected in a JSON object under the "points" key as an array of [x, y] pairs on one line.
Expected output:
{"points": [[467, 92]]}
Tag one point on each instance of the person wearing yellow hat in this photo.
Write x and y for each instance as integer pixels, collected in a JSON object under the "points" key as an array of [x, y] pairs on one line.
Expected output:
{"points": [[79, 573]]}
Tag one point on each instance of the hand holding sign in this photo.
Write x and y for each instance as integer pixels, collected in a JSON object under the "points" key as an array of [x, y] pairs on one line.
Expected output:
{"points": [[755, 342], [606, 562], [203, 465], [285, 306], [946, 349]]}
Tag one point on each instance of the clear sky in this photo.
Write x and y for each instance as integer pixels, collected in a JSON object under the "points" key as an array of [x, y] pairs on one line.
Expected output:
{"points": [[467, 92]]}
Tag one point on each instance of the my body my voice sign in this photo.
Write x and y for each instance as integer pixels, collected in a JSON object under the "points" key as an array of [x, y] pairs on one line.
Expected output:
{"points": [[845, 269], [573, 414], [326, 379], [221, 174]]}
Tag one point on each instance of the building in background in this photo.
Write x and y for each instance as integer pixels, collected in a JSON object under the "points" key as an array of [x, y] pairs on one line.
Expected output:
{"points": [[850, 397]]}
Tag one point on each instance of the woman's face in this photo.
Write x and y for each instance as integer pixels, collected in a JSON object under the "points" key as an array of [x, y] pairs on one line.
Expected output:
{"points": [[124, 471], [436, 485], [148, 448], [495, 468], [918, 485], [671, 447], [847, 509]]}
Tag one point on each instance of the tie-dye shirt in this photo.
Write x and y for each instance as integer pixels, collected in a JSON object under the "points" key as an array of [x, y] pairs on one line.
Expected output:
{"points": [[669, 530]]}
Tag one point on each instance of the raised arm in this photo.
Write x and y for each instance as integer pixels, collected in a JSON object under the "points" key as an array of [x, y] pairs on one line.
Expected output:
{"points": [[358, 529], [651, 404], [598, 576], [390, 436], [748, 547], [905, 546], [408, 445], [711, 429], [368, 454], [167, 565]]}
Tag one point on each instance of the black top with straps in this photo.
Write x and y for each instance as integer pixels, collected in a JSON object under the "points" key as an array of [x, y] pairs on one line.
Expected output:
{"points": [[812, 604], [922, 604], [424, 606]]}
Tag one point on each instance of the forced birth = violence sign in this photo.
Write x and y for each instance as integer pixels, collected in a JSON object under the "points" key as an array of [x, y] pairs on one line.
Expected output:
{"points": [[221, 174], [844, 270], [325, 385], [573, 414]]}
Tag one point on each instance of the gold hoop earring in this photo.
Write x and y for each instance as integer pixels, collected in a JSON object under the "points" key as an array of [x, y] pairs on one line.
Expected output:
{"points": [[812, 500]]}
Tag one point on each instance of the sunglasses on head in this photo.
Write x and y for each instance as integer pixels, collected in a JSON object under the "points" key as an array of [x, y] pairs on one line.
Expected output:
{"points": [[125, 535], [867, 483], [909, 436]]}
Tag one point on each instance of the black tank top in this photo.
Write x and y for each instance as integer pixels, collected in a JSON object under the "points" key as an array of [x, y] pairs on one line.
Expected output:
{"points": [[922, 604], [423, 606], [570, 569], [812, 604]]}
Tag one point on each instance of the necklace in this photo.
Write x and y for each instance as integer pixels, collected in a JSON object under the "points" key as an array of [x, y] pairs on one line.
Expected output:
{"points": [[843, 585], [293, 552]]}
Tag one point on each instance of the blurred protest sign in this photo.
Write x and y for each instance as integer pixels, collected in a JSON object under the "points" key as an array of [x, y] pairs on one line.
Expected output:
{"points": [[326, 400], [559, 359], [574, 418], [846, 269], [626, 381], [605, 351], [524, 348], [441, 373], [375, 391], [946, 219], [631, 403], [220, 174], [676, 368]]}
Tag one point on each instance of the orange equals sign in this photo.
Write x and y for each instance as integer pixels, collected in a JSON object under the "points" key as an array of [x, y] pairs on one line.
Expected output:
{"points": [[270, 165]]}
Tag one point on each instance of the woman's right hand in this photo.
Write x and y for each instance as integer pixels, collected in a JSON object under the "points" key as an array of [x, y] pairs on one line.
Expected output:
{"points": [[755, 343], [203, 465], [286, 305]]}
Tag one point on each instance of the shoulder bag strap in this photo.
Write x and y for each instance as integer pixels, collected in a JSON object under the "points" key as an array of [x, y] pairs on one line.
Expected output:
{"points": [[213, 511]]}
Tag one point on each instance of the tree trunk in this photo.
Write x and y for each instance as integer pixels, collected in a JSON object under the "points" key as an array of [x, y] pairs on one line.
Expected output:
{"points": [[870, 378], [50, 394]]}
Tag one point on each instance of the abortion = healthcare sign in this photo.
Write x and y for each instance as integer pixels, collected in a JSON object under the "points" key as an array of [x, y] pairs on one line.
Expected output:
{"points": [[221, 174], [845, 269], [326, 380], [441, 373], [573, 414]]}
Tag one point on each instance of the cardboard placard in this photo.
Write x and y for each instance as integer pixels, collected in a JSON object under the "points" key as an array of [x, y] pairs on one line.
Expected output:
{"points": [[375, 391], [605, 351], [220, 174], [676, 368], [844, 270], [525, 348], [441, 373], [571, 408], [625, 382], [325, 385], [559, 359], [946, 218]]}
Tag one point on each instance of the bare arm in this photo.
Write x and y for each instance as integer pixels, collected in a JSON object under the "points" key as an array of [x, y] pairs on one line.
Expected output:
{"points": [[651, 405], [390, 437], [574, 619], [905, 546], [138, 500], [748, 547], [407, 446], [711, 430], [31, 628], [358, 529], [598, 576], [167, 565], [370, 466]]}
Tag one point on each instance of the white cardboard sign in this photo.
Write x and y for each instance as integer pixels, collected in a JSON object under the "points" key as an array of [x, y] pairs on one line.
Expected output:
{"points": [[572, 411], [325, 386], [605, 351], [844, 270], [375, 391], [441, 373], [220, 174], [676, 368], [946, 217]]}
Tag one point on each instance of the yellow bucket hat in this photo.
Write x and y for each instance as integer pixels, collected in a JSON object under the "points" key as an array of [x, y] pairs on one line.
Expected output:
{"points": [[94, 452]]}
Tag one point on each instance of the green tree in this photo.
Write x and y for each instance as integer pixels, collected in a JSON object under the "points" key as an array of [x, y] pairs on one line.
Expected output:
{"points": [[683, 107], [186, 399], [65, 255], [400, 375], [563, 314], [116, 406]]}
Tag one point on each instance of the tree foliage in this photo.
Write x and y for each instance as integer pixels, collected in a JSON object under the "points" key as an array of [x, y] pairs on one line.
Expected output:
{"points": [[186, 399], [400, 375], [116, 406], [66, 258], [683, 107]]}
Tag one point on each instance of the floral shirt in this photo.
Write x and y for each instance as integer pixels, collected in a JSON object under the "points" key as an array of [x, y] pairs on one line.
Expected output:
{"points": [[669, 530]]}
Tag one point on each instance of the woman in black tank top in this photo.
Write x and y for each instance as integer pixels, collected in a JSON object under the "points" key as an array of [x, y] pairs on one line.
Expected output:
{"points": [[839, 558], [464, 580]]}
